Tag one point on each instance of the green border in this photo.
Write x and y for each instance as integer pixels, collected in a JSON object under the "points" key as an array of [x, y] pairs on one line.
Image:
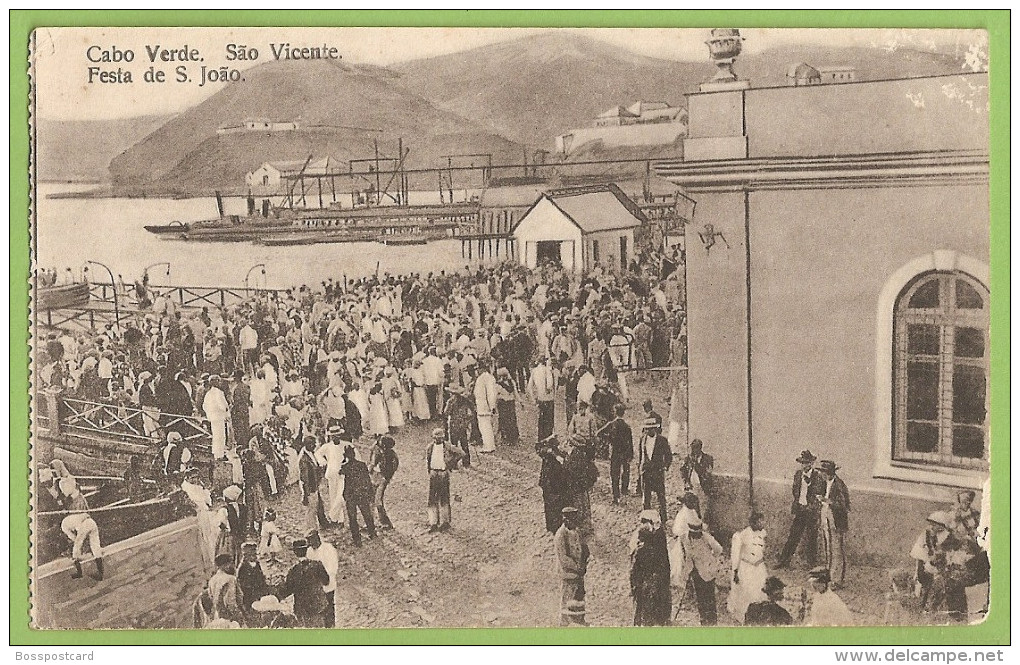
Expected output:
{"points": [[993, 631]]}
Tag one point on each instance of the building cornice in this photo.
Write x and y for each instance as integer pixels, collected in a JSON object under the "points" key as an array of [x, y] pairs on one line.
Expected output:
{"points": [[898, 169]]}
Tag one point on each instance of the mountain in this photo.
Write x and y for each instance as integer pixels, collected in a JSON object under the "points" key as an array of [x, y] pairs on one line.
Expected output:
{"points": [[535, 88], [81, 150], [508, 99], [538, 87], [342, 111]]}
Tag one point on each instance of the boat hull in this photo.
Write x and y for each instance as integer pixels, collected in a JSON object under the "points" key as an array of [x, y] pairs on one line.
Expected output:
{"points": [[61, 297], [118, 517]]}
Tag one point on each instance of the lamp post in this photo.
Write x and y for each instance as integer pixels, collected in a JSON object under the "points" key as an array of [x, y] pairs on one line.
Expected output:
{"points": [[113, 283], [145, 273], [248, 274]]}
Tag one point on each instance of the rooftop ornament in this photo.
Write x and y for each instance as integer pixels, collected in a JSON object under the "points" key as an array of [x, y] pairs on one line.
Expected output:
{"points": [[724, 47]]}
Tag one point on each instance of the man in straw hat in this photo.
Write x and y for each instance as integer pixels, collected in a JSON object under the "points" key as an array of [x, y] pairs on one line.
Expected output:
{"points": [[324, 552], [440, 457], [654, 458], [702, 557], [305, 581], [827, 609], [769, 612], [835, 500], [572, 555], [808, 486]]}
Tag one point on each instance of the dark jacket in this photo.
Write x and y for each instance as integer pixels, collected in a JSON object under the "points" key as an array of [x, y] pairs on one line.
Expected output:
{"points": [[352, 419], [767, 613], [310, 473], [237, 518], [358, 485], [252, 582], [702, 466], [305, 581], [839, 503], [653, 469], [385, 460], [621, 440], [816, 488]]}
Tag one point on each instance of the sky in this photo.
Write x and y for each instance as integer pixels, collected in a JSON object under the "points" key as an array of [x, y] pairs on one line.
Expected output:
{"points": [[62, 55]]}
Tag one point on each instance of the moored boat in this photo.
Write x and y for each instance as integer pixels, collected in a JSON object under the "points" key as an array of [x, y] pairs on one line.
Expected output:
{"points": [[63, 296], [173, 227], [118, 513]]}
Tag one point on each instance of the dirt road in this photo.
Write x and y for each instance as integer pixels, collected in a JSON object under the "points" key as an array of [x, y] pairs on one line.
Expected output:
{"points": [[496, 566]]}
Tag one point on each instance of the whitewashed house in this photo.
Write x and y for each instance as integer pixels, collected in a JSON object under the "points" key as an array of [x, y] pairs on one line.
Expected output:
{"points": [[579, 227]]}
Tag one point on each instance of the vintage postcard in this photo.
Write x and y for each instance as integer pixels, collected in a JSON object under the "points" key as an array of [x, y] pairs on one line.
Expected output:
{"points": [[489, 328]]}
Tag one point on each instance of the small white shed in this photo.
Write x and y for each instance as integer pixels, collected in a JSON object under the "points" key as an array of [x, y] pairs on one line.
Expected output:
{"points": [[580, 228]]}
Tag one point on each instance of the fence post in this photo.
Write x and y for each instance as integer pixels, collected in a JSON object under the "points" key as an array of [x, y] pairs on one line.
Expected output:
{"points": [[53, 411]]}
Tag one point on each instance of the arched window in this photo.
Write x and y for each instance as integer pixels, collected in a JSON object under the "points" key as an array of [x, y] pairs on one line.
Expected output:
{"points": [[940, 371]]}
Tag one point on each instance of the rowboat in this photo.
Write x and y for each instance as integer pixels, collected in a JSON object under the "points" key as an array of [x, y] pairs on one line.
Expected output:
{"points": [[60, 297], [173, 227]]}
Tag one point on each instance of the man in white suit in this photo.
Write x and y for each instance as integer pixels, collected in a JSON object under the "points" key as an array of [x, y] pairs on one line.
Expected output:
{"points": [[485, 406], [217, 411]]}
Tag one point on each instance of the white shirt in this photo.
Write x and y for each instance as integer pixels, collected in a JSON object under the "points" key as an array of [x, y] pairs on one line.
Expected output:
{"points": [[544, 383], [805, 481], [485, 394], [330, 560], [248, 338], [215, 404], [438, 457], [585, 388], [432, 368]]}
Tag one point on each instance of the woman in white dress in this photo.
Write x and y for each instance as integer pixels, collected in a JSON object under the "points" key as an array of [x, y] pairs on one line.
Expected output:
{"points": [[747, 556], [419, 400], [392, 393], [208, 521], [690, 512], [378, 417]]}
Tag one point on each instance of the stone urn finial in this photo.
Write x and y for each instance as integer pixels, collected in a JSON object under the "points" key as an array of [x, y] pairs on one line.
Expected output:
{"points": [[724, 47]]}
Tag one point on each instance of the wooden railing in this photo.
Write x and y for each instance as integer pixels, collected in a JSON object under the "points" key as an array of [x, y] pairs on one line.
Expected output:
{"points": [[125, 422], [183, 296]]}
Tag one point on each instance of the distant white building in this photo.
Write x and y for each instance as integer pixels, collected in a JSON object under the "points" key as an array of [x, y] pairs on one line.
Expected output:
{"points": [[639, 113], [579, 228], [269, 178], [259, 125], [640, 124], [801, 73], [838, 74]]}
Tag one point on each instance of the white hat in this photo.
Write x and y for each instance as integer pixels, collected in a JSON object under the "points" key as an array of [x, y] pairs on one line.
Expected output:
{"points": [[232, 493]]}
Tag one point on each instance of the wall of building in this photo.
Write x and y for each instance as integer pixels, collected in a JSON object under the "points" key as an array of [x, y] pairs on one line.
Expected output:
{"points": [[546, 222], [934, 113], [717, 331], [609, 248], [819, 261]]}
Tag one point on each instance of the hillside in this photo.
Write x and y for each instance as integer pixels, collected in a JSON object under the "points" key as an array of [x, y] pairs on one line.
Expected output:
{"points": [[535, 88], [338, 107], [81, 150], [532, 89]]}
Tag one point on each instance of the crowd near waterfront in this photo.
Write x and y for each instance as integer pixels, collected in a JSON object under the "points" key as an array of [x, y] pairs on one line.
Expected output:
{"points": [[322, 399]]}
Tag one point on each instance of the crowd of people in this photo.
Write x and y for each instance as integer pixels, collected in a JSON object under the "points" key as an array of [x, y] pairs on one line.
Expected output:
{"points": [[309, 387]]}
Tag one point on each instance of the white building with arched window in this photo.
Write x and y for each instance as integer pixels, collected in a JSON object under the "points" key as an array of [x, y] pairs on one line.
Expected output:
{"points": [[848, 312]]}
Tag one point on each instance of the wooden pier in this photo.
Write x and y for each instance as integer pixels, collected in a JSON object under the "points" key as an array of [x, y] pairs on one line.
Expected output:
{"points": [[482, 245]]}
